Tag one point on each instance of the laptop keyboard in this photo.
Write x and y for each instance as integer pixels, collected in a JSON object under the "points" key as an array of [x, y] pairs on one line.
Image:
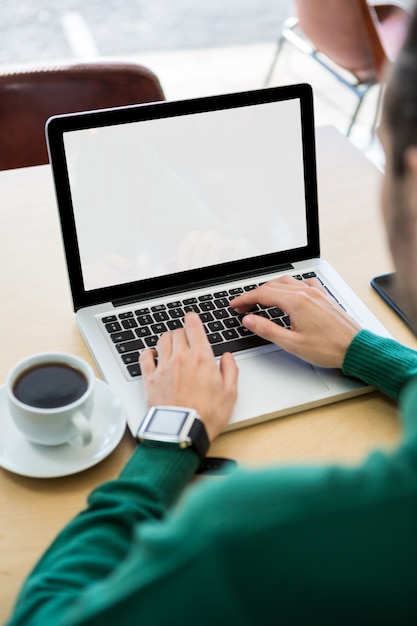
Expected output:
{"points": [[133, 331]]}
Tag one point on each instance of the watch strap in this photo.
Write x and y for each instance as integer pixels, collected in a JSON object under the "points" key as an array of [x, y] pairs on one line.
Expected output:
{"points": [[199, 438]]}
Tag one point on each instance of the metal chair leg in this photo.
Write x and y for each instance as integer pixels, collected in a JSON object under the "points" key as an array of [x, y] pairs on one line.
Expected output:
{"points": [[377, 109], [356, 112], [278, 49], [361, 97], [287, 27]]}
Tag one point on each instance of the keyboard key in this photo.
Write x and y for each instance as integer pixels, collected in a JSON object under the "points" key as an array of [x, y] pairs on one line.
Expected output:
{"points": [[244, 332], [143, 331], [230, 334], [176, 313], [206, 317], [129, 323], [309, 275], [151, 341], [220, 294], [130, 358], [174, 305], [276, 312], [173, 324], [134, 370], [222, 303], [207, 306], [113, 327], [231, 322], [161, 316], [130, 346], [125, 316], [158, 329], [214, 338], [236, 291], [158, 307], [244, 343], [190, 301], [191, 307], [215, 326], [205, 297], [221, 314], [279, 322], [109, 319], [123, 335], [139, 312], [145, 320]]}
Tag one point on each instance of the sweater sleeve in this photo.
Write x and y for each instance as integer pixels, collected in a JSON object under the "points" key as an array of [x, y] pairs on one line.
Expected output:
{"points": [[94, 544], [380, 362]]}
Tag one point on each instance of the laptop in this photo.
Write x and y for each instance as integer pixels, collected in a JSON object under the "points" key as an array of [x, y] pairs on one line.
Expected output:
{"points": [[175, 206]]}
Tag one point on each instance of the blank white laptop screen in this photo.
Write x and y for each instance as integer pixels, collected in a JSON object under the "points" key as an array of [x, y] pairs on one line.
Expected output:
{"points": [[162, 196]]}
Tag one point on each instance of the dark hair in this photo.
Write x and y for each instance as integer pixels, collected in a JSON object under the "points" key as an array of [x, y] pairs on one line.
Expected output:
{"points": [[400, 103]]}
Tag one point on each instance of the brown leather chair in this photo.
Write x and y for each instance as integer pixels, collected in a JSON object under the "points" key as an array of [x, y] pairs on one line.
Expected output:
{"points": [[351, 39], [29, 97]]}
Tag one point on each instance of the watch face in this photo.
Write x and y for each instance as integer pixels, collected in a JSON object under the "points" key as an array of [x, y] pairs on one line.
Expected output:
{"points": [[175, 427], [166, 422]]}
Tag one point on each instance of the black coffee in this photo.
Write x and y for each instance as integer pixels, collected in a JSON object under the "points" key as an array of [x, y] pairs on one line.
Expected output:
{"points": [[50, 385]]}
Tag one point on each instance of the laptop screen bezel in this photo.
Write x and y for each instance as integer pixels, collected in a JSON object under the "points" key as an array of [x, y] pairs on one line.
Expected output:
{"points": [[56, 128]]}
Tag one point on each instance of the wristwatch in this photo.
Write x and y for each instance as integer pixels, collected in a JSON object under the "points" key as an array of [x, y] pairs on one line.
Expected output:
{"points": [[174, 427]]}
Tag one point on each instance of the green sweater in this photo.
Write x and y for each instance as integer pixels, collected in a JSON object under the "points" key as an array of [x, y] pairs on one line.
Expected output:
{"points": [[294, 545]]}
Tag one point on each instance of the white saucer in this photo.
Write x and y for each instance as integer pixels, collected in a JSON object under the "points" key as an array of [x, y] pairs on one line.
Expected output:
{"points": [[20, 456]]}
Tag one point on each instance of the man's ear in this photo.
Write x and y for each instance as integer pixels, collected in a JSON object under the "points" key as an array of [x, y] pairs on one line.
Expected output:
{"points": [[410, 159]]}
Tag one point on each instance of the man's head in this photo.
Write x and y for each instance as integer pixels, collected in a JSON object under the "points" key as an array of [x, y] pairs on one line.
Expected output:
{"points": [[399, 198]]}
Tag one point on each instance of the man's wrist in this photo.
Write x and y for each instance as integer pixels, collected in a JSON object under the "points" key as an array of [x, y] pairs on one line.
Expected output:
{"points": [[164, 471]]}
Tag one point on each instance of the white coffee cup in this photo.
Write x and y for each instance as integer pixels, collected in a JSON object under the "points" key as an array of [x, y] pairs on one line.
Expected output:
{"points": [[51, 399]]}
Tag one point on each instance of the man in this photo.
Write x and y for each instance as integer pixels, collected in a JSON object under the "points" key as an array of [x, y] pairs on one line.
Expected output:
{"points": [[307, 545]]}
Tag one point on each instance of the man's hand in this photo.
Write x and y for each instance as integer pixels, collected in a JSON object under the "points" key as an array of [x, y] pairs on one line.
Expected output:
{"points": [[187, 374], [320, 330]]}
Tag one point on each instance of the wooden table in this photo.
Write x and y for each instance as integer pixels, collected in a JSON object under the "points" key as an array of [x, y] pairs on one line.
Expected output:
{"points": [[36, 316]]}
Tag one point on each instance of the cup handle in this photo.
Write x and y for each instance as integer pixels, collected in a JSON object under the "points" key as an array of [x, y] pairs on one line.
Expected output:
{"points": [[83, 434]]}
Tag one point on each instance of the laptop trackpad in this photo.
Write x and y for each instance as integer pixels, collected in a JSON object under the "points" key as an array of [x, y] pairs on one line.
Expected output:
{"points": [[272, 382]]}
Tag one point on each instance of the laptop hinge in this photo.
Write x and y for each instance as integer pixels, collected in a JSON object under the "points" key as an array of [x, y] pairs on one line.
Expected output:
{"points": [[162, 293]]}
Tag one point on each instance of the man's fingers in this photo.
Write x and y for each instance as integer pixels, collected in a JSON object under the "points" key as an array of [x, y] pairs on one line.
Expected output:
{"points": [[265, 328], [278, 292], [164, 345], [147, 361], [230, 372], [179, 340], [268, 294], [195, 332]]}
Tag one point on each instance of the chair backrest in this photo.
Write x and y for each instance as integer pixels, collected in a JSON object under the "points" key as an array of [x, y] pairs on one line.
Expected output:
{"points": [[347, 32], [28, 98]]}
